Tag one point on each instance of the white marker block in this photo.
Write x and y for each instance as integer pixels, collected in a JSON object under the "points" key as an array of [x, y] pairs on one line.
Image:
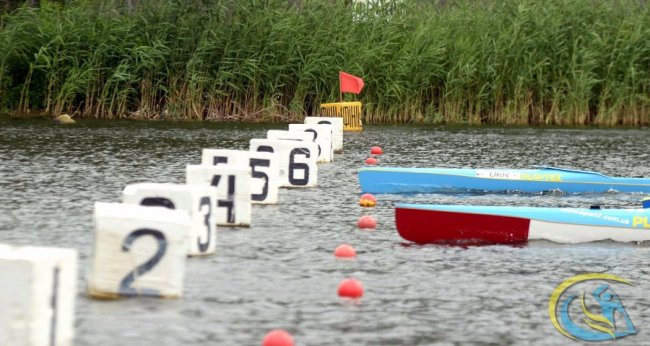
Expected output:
{"points": [[290, 135], [37, 295], [296, 159], [322, 135], [337, 129], [264, 167], [197, 200], [138, 251], [233, 196], [230, 157]]}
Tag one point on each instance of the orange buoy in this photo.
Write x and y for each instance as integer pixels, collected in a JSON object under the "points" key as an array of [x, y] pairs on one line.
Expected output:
{"points": [[376, 151], [367, 200], [367, 222], [350, 288], [345, 251], [278, 337], [371, 161]]}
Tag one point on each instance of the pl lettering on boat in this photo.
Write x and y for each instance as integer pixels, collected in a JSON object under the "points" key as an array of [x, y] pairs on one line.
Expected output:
{"points": [[498, 174], [640, 222]]}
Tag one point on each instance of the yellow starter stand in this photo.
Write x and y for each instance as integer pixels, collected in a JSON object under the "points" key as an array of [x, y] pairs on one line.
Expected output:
{"points": [[349, 111]]}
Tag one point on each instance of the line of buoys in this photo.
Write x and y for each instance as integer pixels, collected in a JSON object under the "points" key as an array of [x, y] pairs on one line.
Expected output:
{"points": [[350, 287]]}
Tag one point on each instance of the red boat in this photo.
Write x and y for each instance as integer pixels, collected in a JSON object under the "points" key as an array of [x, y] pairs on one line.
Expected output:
{"points": [[507, 225]]}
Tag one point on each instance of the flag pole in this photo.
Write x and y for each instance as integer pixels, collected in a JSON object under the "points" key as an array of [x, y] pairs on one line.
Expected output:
{"points": [[340, 91]]}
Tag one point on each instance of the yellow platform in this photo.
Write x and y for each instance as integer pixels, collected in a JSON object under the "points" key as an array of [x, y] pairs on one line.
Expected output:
{"points": [[349, 111]]}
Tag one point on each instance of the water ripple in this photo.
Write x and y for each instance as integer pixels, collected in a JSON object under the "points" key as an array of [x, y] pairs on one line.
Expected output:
{"points": [[280, 272]]}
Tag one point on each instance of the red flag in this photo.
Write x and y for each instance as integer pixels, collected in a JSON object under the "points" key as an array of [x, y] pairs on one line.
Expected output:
{"points": [[349, 83]]}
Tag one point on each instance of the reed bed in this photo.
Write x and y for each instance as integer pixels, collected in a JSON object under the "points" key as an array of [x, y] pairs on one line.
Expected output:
{"points": [[555, 62]]}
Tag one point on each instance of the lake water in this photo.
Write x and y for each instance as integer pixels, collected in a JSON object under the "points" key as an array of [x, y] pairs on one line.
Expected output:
{"points": [[281, 272]]}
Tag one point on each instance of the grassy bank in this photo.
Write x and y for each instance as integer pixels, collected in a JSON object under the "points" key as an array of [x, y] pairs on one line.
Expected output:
{"points": [[563, 62]]}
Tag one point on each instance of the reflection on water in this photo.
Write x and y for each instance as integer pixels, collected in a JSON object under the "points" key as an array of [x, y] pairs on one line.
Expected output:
{"points": [[281, 272]]}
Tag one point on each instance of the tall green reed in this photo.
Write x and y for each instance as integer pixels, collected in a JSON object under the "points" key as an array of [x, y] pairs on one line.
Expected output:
{"points": [[498, 62]]}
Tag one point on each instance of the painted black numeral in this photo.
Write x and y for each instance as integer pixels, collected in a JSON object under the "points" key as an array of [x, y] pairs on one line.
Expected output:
{"points": [[315, 136], [293, 166], [314, 132], [219, 159], [54, 304], [257, 174], [125, 285], [331, 133], [265, 148], [228, 203], [157, 202], [205, 201]]}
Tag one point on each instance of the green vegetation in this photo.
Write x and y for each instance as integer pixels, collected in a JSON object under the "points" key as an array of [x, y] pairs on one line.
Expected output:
{"points": [[568, 62]]}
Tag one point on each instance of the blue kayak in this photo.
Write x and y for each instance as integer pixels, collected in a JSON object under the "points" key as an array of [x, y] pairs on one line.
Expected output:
{"points": [[536, 180]]}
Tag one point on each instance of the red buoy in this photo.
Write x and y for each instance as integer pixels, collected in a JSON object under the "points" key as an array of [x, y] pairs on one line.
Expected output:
{"points": [[371, 161], [367, 200], [367, 222], [376, 151], [350, 288], [278, 337], [345, 251]]}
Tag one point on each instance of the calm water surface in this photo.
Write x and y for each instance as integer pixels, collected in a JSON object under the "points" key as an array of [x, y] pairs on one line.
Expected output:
{"points": [[280, 272]]}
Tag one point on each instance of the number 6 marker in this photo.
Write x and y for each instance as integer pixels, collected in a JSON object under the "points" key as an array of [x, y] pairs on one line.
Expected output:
{"points": [[296, 160]]}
